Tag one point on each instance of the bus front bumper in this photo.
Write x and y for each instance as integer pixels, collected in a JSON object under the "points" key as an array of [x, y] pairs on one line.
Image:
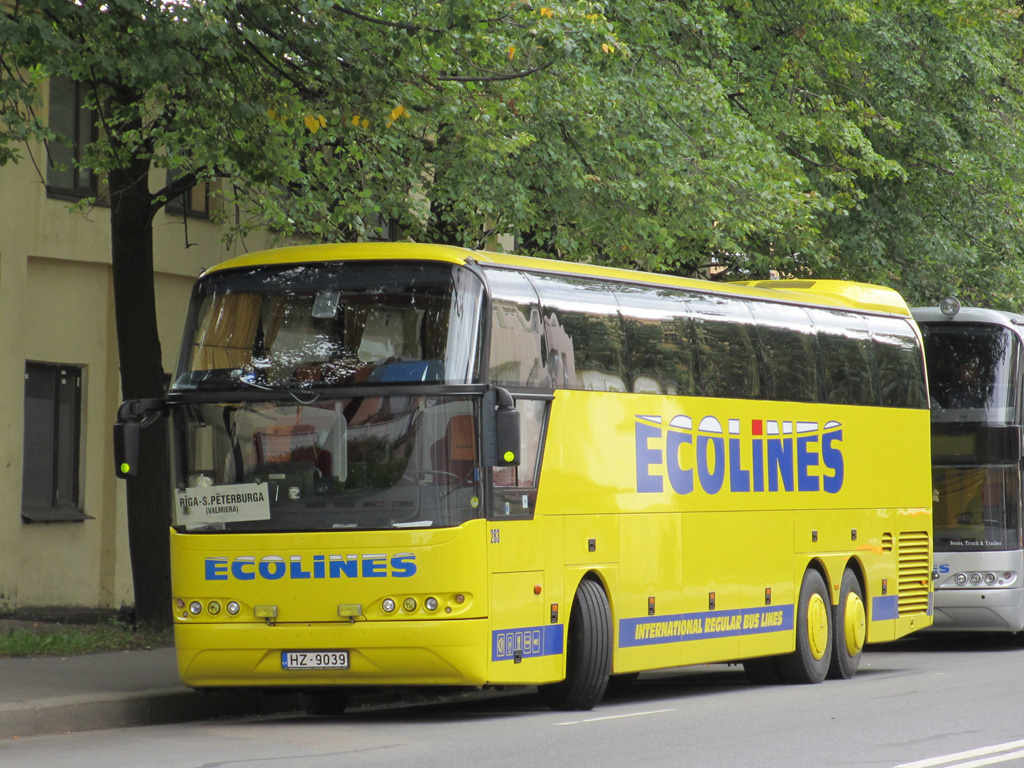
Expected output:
{"points": [[985, 610], [212, 655]]}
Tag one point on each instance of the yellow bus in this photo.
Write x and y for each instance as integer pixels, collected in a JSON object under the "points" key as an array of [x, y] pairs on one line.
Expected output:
{"points": [[418, 465]]}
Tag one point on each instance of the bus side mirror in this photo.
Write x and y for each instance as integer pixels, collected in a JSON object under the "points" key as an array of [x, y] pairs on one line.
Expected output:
{"points": [[126, 448], [506, 429], [501, 430], [132, 416]]}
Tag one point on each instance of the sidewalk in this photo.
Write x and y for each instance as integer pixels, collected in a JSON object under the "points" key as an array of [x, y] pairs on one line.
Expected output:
{"points": [[52, 694]]}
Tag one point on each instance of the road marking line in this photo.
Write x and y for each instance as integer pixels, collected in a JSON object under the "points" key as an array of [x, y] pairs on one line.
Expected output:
{"points": [[980, 752], [991, 760], [617, 717]]}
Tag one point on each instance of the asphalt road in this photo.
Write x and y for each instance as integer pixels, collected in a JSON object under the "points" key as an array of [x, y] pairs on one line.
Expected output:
{"points": [[929, 702]]}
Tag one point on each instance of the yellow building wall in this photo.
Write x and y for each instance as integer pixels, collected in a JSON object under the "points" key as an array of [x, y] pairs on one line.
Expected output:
{"points": [[57, 306]]}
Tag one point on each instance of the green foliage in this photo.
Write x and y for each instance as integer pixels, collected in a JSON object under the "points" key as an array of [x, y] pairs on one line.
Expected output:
{"points": [[61, 640], [926, 180], [865, 139]]}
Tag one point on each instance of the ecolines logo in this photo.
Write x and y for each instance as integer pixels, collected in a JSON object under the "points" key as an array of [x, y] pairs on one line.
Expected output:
{"points": [[274, 567], [774, 456]]}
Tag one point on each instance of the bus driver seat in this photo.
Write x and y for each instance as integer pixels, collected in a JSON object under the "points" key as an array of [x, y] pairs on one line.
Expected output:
{"points": [[455, 453]]}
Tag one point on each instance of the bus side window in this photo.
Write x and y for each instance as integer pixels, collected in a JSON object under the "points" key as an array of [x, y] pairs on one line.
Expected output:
{"points": [[517, 352], [727, 347], [660, 340], [900, 369], [790, 348], [848, 355], [583, 333], [515, 488]]}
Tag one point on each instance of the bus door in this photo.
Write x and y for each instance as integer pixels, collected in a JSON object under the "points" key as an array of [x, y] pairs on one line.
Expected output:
{"points": [[524, 559]]}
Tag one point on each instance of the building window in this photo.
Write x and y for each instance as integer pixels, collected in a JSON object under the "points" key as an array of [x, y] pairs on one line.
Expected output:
{"points": [[53, 411], [69, 117], [194, 203]]}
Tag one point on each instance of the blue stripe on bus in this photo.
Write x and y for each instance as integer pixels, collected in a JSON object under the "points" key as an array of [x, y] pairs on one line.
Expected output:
{"points": [[527, 642], [681, 627], [885, 608]]}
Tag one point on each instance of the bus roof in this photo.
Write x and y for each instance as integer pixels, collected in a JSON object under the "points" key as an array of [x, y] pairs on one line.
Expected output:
{"points": [[970, 315], [835, 293]]}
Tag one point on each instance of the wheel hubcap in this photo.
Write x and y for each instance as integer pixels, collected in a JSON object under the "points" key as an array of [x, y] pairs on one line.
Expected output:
{"points": [[856, 624], [817, 626]]}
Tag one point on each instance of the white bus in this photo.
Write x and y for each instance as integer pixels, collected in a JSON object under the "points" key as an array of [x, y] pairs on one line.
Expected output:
{"points": [[976, 375]]}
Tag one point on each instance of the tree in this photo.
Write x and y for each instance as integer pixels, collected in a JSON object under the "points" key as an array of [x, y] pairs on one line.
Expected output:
{"points": [[905, 116], [174, 85], [162, 109]]}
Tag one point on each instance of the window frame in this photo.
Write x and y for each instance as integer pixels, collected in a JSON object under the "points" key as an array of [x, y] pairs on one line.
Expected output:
{"points": [[51, 443], [517, 500], [82, 122], [185, 203]]}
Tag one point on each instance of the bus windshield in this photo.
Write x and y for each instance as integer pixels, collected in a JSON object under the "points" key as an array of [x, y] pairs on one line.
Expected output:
{"points": [[330, 325], [334, 464], [976, 508], [971, 372]]}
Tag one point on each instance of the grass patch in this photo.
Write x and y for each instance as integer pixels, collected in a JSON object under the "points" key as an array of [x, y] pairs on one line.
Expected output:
{"points": [[65, 640]]}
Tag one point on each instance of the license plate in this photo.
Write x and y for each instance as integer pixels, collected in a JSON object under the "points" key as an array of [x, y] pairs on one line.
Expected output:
{"points": [[314, 659]]}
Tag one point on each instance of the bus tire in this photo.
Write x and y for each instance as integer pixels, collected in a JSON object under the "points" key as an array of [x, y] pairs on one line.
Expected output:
{"points": [[588, 652], [810, 661], [763, 671], [329, 703], [849, 632]]}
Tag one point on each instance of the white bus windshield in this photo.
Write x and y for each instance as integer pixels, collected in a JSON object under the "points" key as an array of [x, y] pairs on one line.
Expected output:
{"points": [[976, 508], [972, 372], [332, 325]]}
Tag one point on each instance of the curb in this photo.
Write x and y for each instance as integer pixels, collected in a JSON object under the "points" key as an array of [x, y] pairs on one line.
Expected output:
{"points": [[85, 712]]}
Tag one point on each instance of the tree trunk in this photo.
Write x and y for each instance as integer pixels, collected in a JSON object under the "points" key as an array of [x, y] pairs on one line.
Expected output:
{"points": [[149, 492]]}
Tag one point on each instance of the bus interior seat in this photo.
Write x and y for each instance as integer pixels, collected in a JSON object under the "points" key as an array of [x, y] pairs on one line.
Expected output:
{"points": [[455, 453], [295, 445]]}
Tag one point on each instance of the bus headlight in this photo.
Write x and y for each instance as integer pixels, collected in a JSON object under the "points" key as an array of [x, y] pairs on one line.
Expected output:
{"points": [[990, 578], [409, 604], [233, 608], [975, 578], [213, 608], [388, 605], [195, 607], [960, 579], [430, 603]]}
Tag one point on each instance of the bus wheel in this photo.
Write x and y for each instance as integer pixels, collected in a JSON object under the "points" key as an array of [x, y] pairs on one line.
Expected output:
{"points": [[809, 663], [329, 703], [849, 628], [588, 652]]}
